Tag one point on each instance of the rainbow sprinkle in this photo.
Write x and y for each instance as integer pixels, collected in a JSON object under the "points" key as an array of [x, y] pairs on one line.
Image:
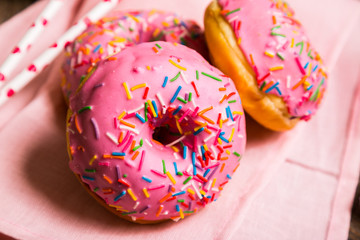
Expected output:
{"points": [[185, 178]]}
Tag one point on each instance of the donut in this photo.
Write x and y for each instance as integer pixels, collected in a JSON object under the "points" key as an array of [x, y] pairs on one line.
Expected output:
{"points": [[154, 132], [118, 30], [156, 154], [280, 77]]}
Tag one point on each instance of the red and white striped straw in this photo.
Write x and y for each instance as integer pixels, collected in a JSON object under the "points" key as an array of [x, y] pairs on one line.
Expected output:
{"points": [[20, 81], [22, 47]]}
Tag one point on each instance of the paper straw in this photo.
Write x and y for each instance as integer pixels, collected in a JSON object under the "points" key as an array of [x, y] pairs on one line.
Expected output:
{"points": [[20, 81], [22, 47]]}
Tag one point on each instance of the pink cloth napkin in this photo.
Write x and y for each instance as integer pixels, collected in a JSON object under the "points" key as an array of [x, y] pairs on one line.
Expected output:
{"points": [[294, 185]]}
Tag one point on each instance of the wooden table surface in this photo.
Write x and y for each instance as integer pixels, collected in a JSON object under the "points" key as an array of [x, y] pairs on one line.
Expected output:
{"points": [[8, 8]]}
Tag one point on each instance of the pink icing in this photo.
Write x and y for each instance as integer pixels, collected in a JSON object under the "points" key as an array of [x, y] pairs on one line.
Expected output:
{"points": [[283, 60], [122, 29], [95, 128], [94, 132]]}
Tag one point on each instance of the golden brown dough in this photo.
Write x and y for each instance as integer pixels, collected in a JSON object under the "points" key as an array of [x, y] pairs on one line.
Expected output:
{"points": [[268, 110]]}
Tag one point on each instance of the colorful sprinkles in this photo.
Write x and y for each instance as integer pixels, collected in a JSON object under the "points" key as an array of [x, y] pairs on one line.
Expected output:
{"points": [[186, 130], [286, 64]]}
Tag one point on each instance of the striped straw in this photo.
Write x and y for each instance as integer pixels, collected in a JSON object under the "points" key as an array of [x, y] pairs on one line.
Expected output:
{"points": [[20, 81], [22, 47]]}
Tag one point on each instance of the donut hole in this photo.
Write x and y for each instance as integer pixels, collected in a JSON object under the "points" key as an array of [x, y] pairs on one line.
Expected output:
{"points": [[170, 130], [165, 134]]}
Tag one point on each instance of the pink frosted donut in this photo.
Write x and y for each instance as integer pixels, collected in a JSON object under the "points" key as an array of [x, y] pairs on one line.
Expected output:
{"points": [[155, 135], [264, 49], [154, 132], [113, 33]]}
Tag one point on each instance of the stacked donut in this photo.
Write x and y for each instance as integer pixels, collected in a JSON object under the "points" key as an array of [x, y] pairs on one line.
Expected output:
{"points": [[154, 131]]}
